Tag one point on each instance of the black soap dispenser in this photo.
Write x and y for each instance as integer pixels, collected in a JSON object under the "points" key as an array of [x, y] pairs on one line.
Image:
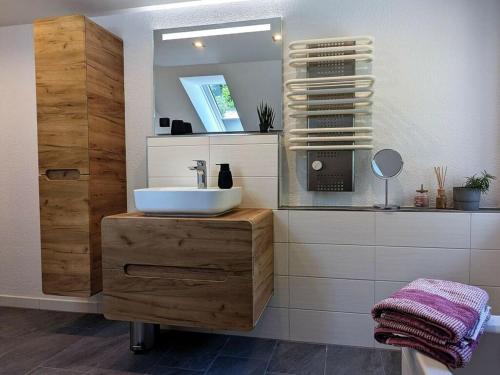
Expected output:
{"points": [[225, 177]]}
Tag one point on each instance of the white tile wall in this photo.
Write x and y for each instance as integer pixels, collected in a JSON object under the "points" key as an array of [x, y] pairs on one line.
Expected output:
{"points": [[281, 297], [333, 227], [331, 294], [331, 327], [327, 300], [280, 225], [281, 258], [258, 192], [336, 261], [384, 289], [410, 263], [274, 323], [245, 160], [485, 231], [238, 139], [494, 293], [173, 161], [485, 267], [173, 181], [253, 160], [423, 229]]}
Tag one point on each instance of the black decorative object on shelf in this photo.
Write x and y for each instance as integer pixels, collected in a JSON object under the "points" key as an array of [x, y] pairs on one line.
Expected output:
{"points": [[164, 122], [225, 177], [188, 128], [266, 117], [178, 127]]}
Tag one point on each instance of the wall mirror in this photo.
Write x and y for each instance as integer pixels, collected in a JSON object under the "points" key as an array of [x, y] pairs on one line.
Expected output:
{"points": [[212, 78]]}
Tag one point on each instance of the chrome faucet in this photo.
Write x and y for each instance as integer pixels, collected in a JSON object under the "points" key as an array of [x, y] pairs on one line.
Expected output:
{"points": [[201, 172]]}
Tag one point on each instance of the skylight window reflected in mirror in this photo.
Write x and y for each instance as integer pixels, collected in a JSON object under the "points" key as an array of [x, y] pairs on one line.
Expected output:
{"points": [[212, 101], [224, 101]]}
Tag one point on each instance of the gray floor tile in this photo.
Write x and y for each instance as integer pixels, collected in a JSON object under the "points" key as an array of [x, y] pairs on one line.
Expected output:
{"points": [[18, 322], [38, 342], [84, 324], [52, 371], [122, 359], [249, 347], [8, 344], [391, 360], [345, 360], [33, 351], [98, 371], [85, 354], [162, 370], [190, 350], [298, 358], [236, 365]]}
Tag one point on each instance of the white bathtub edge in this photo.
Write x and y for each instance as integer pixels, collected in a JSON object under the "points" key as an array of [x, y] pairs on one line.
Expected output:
{"points": [[415, 363]]}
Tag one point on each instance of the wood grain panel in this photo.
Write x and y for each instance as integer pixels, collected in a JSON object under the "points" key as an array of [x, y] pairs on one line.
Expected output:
{"points": [[106, 124], [195, 272], [64, 222], [263, 270], [61, 93], [81, 132]]}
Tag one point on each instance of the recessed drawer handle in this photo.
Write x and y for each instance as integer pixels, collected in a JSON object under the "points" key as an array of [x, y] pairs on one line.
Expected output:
{"points": [[178, 273], [62, 174]]}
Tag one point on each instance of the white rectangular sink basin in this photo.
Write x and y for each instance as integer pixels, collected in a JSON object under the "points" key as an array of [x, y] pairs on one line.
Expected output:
{"points": [[186, 201]]}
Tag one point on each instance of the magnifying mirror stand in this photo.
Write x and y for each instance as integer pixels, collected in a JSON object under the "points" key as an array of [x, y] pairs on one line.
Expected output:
{"points": [[386, 206]]}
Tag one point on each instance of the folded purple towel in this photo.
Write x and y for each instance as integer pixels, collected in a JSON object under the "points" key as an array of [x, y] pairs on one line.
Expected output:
{"points": [[439, 318], [452, 355], [437, 311]]}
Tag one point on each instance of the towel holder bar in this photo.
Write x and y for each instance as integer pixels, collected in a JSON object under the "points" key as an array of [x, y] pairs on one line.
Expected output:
{"points": [[335, 103], [360, 129]]}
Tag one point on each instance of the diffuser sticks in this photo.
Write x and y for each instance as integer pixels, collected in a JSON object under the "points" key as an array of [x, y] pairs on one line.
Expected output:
{"points": [[441, 179]]}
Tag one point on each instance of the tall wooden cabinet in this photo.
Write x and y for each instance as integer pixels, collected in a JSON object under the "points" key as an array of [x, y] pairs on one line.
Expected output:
{"points": [[81, 148]]}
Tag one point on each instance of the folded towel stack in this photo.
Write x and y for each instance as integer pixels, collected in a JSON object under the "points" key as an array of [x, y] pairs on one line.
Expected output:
{"points": [[442, 319]]}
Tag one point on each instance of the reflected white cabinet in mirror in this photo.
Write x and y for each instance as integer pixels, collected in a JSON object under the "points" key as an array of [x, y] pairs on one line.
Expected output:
{"points": [[212, 78]]}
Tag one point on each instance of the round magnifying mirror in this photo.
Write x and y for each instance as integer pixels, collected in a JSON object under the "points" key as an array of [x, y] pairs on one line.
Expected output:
{"points": [[386, 164]]}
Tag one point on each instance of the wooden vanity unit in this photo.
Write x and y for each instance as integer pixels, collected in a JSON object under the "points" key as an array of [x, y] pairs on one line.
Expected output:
{"points": [[190, 272]]}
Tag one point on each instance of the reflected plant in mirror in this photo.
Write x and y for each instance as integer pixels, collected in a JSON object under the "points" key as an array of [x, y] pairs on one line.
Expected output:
{"points": [[214, 76], [266, 117]]}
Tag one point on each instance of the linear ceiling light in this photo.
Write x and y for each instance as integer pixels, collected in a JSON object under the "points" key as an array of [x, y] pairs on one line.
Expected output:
{"points": [[183, 4], [219, 31]]}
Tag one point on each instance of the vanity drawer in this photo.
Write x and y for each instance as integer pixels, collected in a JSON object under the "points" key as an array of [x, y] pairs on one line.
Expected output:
{"points": [[193, 272]]}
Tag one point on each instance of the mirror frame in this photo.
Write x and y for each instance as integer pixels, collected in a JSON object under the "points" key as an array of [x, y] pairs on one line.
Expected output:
{"points": [[387, 178]]}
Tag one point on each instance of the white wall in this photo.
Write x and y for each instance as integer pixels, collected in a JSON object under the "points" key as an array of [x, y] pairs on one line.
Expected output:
{"points": [[249, 82], [20, 271], [437, 101], [437, 95]]}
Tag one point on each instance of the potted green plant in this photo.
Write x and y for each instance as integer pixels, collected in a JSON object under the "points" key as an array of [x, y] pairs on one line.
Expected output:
{"points": [[266, 117], [467, 197]]}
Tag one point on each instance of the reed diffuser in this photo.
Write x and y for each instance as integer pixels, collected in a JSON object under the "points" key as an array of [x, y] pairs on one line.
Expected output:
{"points": [[441, 193]]}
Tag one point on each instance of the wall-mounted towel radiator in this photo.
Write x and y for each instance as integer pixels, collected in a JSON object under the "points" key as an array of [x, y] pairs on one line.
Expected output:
{"points": [[334, 102]]}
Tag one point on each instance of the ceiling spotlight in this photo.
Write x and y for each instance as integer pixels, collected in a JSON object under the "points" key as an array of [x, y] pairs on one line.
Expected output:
{"points": [[277, 37], [198, 44]]}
